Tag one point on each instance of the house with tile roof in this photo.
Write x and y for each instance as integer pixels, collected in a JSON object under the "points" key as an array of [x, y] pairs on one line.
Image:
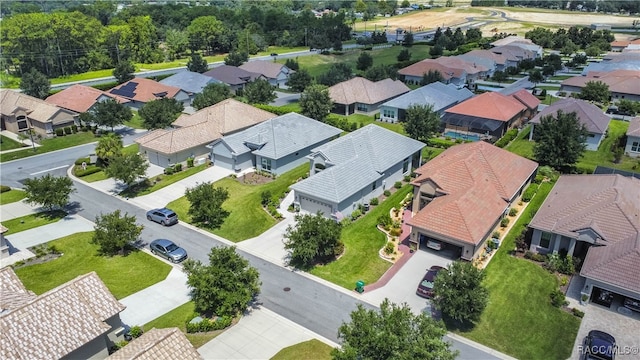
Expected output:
{"points": [[489, 114], [623, 84], [233, 76], [593, 118], [192, 133], [492, 61], [520, 42], [140, 91], [460, 196], [632, 147], [165, 344], [20, 112], [276, 145], [621, 45], [360, 95], [528, 100], [189, 81], [513, 54], [79, 319], [453, 70], [353, 169], [277, 74], [437, 94], [595, 218], [81, 98], [614, 61]]}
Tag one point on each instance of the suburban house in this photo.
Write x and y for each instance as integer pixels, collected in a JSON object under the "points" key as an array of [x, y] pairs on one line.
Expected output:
{"points": [[79, 319], [588, 114], [193, 133], [80, 98], [520, 42], [354, 168], [492, 61], [233, 76], [276, 145], [169, 343], [513, 54], [461, 195], [614, 61], [595, 218], [621, 45], [473, 71], [453, 70], [20, 112], [277, 74], [360, 95], [190, 82], [623, 84], [632, 147], [489, 114], [437, 94], [140, 91], [528, 100]]}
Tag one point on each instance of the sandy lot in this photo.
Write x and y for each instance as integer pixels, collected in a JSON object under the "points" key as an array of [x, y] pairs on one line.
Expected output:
{"points": [[574, 18]]}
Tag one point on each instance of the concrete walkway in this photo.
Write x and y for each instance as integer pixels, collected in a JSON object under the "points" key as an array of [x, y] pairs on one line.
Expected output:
{"points": [[26, 142], [17, 209]]}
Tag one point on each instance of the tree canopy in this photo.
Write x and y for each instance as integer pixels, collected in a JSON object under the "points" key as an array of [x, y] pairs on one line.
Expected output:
{"points": [[315, 102], [431, 76], [459, 292], [127, 167], [560, 140], [421, 122], [236, 58], [259, 91], [123, 71], [159, 114], [50, 192], [108, 147], [211, 94], [206, 204], [197, 63], [110, 113], [113, 233], [299, 80], [365, 61], [314, 239], [337, 73], [35, 83], [595, 91]]}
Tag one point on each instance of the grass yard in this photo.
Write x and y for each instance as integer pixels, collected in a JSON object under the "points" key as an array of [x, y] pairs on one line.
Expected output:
{"points": [[362, 240], [32, 221], [52, 144], [364, 120], [311, 349], [136, 121], [548, 87], [101, 175], [548, 100], [7, 143], [247, 219], [519, 319], [521, 144], [560, 77], [11, 196], [164, 180], [178, 317], [81, 257]]}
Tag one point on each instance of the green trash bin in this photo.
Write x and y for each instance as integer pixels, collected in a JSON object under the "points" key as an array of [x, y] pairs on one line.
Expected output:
{"points": [[360, 286]]}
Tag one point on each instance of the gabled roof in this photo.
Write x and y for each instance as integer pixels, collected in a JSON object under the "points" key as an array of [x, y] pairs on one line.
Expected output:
{"points": [[144, 90], [189, 81], [588, 114], [165, 344], [13, 294], [280, 136], [80, 98], [619, 81], [269, 69], [486, 54], [423, 67], [364, 91], [453, 62], [526, 98], [59, 321], [439, 95], [489, 105], [476, 181], [512, 39], [232, 75], [36, 109], [355, 160], [634, 127], [513, 52]]}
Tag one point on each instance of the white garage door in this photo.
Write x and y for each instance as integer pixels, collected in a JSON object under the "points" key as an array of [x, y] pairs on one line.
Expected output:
{"points": [[223, 162], [313, 206]]}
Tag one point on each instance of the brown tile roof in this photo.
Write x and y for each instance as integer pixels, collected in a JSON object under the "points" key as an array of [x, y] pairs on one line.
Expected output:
{"points": [[476, 181], [269, 69], [489, 105], [38, 110], [457, 63], [364, 91], [80, 98], [511, 39], [145, 90], [588, 114], [499, 59], [164, 344], [527, 99], [204, 126], [625, 43], [423, 67], [13, 294], [619, 81], [59, 321], [634, 127], [513, 52]]}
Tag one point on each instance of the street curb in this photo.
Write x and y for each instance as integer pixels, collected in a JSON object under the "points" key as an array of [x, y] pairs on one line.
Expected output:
{"points": [[50, 152]]}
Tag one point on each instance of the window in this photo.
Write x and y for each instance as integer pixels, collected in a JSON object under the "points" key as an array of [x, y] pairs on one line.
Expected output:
{"points": [[635, 146], [374, 186], [362, 107], [389, 113], [266, 164], [545, 240], [405, 165], [22, 123]]}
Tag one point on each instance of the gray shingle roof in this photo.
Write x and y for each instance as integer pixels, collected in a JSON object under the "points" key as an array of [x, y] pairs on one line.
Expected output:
{"points": [[441, 96], [232, 75], [189, 81], [588, 114]]}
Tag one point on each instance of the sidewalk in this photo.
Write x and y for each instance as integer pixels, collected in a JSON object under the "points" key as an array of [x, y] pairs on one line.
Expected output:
{"points": [[17, 209], [27, 142]]}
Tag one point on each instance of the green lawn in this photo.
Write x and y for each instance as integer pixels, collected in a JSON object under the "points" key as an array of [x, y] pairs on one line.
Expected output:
{"points": [[247, 218], [311, 349], [560, 77], [81, 257], [364, 120], [519, 319], [32, 221], [136, 121], [11, 196], [178, 318], [145, 188], [362, 241], [101, 175], [52, 144], [7, 143], [548, 100], [548, 87]]}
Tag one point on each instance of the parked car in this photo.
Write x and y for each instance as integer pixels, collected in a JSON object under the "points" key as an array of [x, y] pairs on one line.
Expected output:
{"points": [[168, 250], [599, 345], [274, 54], [163, 216], [434, 244], [632, 304], [425, 288]]}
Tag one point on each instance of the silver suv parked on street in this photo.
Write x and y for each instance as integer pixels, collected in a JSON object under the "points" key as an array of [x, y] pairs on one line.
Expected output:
{"points": [[163, 216]]}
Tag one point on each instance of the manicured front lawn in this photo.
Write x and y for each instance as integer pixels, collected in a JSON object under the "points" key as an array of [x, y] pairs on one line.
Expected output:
{"points": [[7, 143], [136, 121], [101, 175], [311, 349], [362, 241], [52, 144], [123, 275], [178, 317], [151, 185], [519, 319], [247, 219], [12, 196], [363, 120], [32, 221]]}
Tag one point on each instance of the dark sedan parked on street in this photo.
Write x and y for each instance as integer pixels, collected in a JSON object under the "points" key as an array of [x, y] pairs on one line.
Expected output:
{"points": [[168, 250], [425, 288]]}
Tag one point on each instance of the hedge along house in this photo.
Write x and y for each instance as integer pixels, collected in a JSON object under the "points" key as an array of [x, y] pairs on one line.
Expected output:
{"points": [[193, 133], [276, 145], [140, 91], [460, 196], [360, 95], [354, 168]]}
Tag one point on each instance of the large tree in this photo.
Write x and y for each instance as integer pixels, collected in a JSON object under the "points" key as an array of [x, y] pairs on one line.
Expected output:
{"points": [[421, 122], [50, 192], [123, 72], [226, 286], [176, 42], [127, 167], [560, 140], [159, 114], [113, 232], [314, 239], [365, 61], [197, 63], [393, 332], [299, 80], [430, 77], [35, 83], [595, 91], [236, 58], [206, 204], [536, 77], [337, 73], [315, 102], [459, 292], [110, 113], [211, 94], [204, 32], [259, 91], [108, 147]]}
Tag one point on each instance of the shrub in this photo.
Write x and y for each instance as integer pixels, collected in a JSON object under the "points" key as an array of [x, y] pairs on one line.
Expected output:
{"points": [[397, 185], [81, 160], [135, 331], [388, 249], [396, 231], [373, 201], [529, 192], [169, 170], [67, 130], [91, 169], [577, 313], [74, 128], [557, 298], [209, 325], [387, 193], [345, 221], [59, 132], [534, 256], [177, 167], [513, 212], [407, 178], [440, 143], [265, 197], [504, 222], [356, 214], [190, 162], [384, 220], [495, 235], [506, 139], [538, 179], [4, 188]]}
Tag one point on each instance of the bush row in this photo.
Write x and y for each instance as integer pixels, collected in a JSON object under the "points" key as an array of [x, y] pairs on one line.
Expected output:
{"points": [[440, 143], [91, 169], [506, 139], [4, 188], [529, 192], [209, 325]]}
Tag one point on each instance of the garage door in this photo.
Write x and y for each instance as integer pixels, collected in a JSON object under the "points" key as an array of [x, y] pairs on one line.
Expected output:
{"points": [[313, 206], [223, 162]]}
